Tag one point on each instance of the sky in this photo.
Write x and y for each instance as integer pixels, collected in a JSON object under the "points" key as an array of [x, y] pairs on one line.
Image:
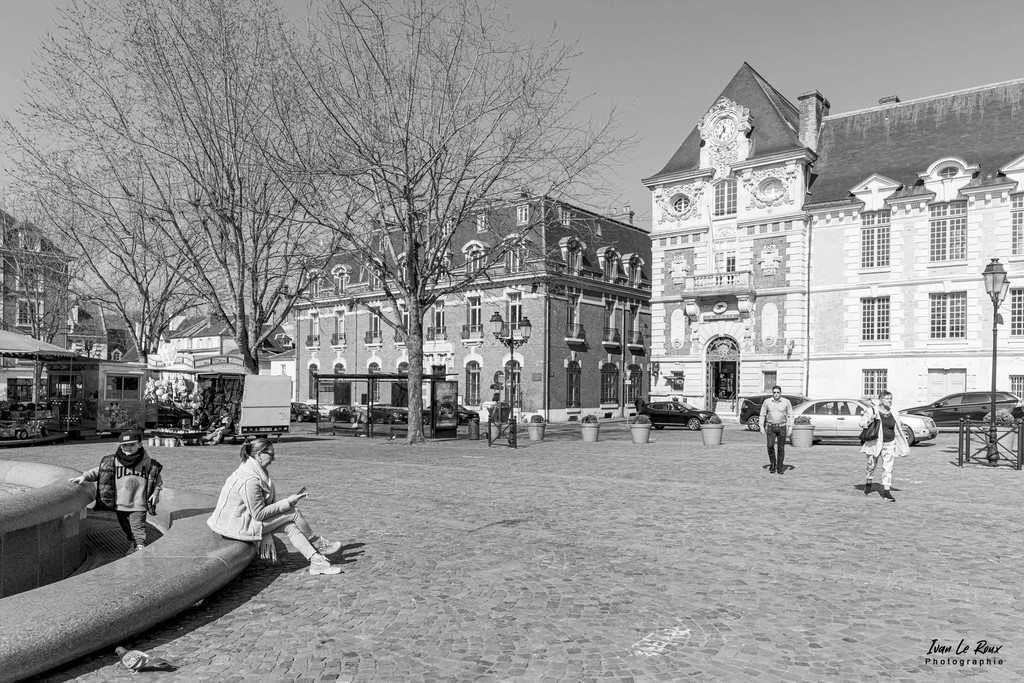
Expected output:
{"points": [[662, 63]]}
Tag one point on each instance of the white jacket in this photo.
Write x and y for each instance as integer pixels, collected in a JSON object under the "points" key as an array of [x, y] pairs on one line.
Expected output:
{"points": [[875, 447]]}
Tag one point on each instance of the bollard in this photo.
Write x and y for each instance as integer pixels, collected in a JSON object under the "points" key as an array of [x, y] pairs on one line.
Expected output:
{"points": [[474, 429]]}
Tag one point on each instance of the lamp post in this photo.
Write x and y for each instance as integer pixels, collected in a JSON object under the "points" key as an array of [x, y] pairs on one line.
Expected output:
{"points": [[997, 285], [512, 337]]}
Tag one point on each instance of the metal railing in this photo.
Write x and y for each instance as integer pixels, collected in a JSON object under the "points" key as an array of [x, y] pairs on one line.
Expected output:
{"points": [[635, 338], [338, 339], [437, 333], [472, 332], [575, 331], [312, 340], [374, 337], [612, 336]]}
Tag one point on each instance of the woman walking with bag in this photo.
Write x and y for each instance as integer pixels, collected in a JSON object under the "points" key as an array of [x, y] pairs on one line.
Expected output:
{"points": [[884, 440]]}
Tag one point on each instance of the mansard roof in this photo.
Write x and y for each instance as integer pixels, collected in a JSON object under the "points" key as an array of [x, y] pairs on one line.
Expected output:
{"points": [[983, 125], [776, 122]]}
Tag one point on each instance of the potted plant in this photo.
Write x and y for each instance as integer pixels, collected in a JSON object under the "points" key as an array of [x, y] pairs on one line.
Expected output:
{"points": [[711, 431], [640, 428], [536, 427], [802, 435], [591, 427]]}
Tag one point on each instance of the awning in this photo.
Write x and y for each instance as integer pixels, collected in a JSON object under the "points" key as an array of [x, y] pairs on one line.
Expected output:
{"points": [[16, 345]]}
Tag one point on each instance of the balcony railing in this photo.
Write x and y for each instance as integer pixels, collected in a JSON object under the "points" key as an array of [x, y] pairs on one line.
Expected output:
{"points": [[472, 332], [575, 332], [338, 339], [611, 336], [312, 340], [719, 281], [437, 333], [636, 338], [374, 337]]}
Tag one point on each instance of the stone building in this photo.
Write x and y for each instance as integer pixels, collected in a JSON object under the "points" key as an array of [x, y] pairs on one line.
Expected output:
{"points": [[838, 254], [582, 279]]}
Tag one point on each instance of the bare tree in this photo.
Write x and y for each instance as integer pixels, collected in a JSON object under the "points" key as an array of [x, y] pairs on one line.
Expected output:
{"points": [[155, 118], [429, 114]]}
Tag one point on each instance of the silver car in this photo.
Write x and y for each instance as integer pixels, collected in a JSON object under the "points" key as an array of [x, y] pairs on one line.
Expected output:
{"points": [[839, 418]]}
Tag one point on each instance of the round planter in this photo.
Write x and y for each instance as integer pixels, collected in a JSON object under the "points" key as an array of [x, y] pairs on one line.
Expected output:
{"points": [[640, 433], [712, 434], [590, 430], [802, 436], [536, 430]]}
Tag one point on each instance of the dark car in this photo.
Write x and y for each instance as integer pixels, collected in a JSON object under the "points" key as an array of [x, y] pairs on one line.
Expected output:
{"points": [[663, 413], [750, 408], [464, 414], [381, 414], [170, 415], [302, 412], [973, 405]]}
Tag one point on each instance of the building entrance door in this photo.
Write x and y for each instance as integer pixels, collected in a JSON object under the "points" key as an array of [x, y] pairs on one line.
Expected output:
{"points": [[723, 368]]}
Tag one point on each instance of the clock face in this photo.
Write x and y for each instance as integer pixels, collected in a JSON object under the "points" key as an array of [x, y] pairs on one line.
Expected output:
{"points": [[772, 189], [723, 129]]}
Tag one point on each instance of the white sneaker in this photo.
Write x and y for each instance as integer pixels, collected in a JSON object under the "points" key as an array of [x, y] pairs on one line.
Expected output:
{"points": [[321, 565], [325, 547]]}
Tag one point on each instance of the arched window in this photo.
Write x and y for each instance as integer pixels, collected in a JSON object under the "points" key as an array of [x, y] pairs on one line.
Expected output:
{"points": [[514, 383], [573, 381], [574, 259], [373, 369], [635, 387], [725, 197], [611, 264], [609, 383], [342, 387], [474, 260], [313, 369], [472, 383], [403, 368], [340, 277], [116, 355]]}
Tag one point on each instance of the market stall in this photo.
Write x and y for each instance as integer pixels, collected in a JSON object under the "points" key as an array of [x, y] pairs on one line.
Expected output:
{"points": [[29, 420]]}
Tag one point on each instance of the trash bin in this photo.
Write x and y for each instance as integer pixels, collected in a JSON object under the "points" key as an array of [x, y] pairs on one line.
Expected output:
{"points": [[474, 429]]}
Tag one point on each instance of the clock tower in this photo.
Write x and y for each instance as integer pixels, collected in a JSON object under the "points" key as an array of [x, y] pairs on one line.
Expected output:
{"points": [[725, 130]]}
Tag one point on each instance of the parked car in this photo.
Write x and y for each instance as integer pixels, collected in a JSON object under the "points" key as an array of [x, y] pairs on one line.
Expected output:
{"points": [[302, 412], [170, 415], [381, 414], [663, 413], [973, 405], [750, 408], [839, 418], [464, 414]]}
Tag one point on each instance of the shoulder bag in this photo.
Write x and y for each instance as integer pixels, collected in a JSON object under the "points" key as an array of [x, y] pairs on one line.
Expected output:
{"points": [[870, 433]]}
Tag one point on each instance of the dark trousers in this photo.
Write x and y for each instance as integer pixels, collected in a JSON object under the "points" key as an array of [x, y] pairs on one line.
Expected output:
{"points": [[776, 433]]}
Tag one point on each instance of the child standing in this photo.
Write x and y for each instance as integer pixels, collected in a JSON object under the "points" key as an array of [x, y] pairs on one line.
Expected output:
{"points": [[127, 482]]}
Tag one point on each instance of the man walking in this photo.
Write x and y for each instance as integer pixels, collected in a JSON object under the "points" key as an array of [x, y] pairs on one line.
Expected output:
{"points": [[777, 423]]}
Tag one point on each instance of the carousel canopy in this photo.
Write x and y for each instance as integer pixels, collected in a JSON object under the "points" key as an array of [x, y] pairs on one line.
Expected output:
{"points": [[17, 345]]}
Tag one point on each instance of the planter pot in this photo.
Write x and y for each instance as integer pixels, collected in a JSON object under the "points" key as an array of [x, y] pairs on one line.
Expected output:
{"points": [[495, 430], [712, 434], [640, 433], [536, 430], [590, 431], [802, 436]]}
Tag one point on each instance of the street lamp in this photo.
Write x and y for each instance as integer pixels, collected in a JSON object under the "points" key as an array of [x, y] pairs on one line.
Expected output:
{"points": [[997, 285], [512, 337]]}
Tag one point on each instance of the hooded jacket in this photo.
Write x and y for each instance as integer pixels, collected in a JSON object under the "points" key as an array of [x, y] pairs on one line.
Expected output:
{"points": [[245, 502]]}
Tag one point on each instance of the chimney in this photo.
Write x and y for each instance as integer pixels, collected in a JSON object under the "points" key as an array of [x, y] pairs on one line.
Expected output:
{"points": [[813, 108], [889, 99], [625, 214]]}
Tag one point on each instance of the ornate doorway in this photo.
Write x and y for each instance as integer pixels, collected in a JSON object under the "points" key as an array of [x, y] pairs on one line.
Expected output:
{"points": [[723, 373]]}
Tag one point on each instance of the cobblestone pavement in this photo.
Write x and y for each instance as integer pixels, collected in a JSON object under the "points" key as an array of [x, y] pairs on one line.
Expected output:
{"points": [[564, 561]]}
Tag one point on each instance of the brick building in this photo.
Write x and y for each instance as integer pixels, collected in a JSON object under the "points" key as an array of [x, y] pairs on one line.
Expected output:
{"points": [[838, 254], [582, 279]]}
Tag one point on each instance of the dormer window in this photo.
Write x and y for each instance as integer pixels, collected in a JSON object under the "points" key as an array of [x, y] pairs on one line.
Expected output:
{"points": [[564, 216], [340, 278], [523, 214], [481, 222], [474, 260], [611, 264], [574, 259], [680, 203], [949, 172]]}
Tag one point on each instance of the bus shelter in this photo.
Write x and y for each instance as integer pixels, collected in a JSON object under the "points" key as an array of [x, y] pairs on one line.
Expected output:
{"points": [[369, 407]]}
